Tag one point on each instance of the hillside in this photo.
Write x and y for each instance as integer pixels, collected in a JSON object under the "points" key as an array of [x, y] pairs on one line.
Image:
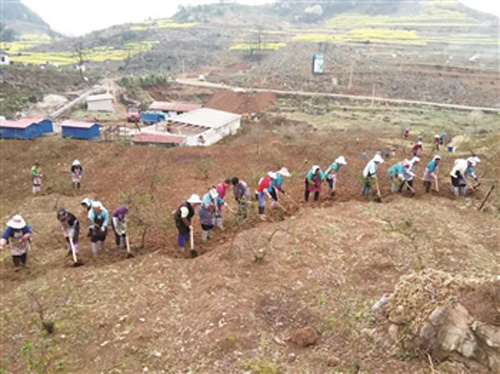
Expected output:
{"points": [[236, 308], [19, 20]]}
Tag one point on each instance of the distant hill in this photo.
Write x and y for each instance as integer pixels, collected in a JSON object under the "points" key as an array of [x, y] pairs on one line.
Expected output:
{"points": [[17, 20]]}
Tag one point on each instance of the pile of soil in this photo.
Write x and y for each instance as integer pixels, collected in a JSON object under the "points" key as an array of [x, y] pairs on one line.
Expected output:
{"points": [[241, 102]]}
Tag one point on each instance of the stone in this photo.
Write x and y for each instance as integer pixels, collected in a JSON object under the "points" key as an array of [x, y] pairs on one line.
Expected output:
{"points": [[448, 331], [333, 361], [489, 336], [304, 337]]}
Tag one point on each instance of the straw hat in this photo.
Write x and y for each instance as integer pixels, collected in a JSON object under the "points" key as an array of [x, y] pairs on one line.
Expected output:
{"points": [[17, 222], [272, 175]]}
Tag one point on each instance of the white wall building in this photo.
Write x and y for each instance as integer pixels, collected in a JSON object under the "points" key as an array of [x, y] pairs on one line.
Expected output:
{"points": [[103, 103], [201, 127], [4, 58]]}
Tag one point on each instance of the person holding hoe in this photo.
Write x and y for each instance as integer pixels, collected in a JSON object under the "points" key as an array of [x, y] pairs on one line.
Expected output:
{"points": [[313, 182], [370, 172], [241, 194], [17, 235], [119, 224], [70, 228], [36, 178], [76, 174], [396, 176], [331, 174], [276, 185], [430, 174], [408, 174], [207, 213], [183, 217], [98, 220], [263, 191]]}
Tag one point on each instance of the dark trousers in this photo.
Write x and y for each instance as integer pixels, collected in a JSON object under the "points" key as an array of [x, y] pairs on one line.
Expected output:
{"points": [[410, 183], [118, 236], [427, 186], [20, 260], [306, 194]]}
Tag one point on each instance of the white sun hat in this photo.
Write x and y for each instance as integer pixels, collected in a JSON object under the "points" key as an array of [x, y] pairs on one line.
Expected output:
{"points": [[284, 171], [474, 160], [194, 199], [314, 168], [213, 193], [96, 205], [378, 158], [17, 222], [437, 157], [272, 175], [86, 201], [415, 159], [341, 160], [76, 162]]}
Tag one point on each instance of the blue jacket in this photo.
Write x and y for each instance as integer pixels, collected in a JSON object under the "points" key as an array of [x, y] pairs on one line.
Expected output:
{"points": [[9, 232], [335, 167], [431, 166], [102, 215], [278, 182], [396, 169]]}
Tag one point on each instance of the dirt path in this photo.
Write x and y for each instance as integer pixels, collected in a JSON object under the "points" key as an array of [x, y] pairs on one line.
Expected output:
{"points": [[192, 82]]}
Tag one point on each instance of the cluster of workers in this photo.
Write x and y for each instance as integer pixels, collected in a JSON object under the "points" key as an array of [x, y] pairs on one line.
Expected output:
{"points": [[210, 207]]}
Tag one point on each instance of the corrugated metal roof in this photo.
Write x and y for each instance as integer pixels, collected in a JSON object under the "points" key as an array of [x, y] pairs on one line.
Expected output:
{"points": [[105, 96], [173, 106], [158, 138], [14, 124], [79, 125], [29, 121], [206, 117]]}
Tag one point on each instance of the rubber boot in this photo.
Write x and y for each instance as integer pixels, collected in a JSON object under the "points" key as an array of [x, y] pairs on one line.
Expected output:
{"points": [[204, 236], [218, 223], [102, 244], [463, 190], [455, 191], [262, 216], [76, 246], [93, 248]]}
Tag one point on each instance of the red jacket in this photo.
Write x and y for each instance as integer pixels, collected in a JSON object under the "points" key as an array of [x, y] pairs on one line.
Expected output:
{"points": [[263, 184]]}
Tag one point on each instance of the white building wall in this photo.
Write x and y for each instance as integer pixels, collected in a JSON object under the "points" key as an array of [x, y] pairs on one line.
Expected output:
{"points": [[100, 105], [4, 59]]}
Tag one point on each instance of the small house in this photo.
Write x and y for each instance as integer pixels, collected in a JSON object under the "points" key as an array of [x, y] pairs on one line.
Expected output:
{"points": [[4, 57], [16, 130], [45, 125], [172, 109], [80, 130], [100, 103], [163, 140]]}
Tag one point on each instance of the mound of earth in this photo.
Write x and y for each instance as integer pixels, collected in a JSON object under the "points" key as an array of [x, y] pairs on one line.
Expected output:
{"points": [[453, 319], [241, 102]]}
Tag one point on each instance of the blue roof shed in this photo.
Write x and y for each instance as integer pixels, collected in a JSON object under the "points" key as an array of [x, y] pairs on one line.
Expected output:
{"points": [[15, 130], [80, 130], [47, 126]]}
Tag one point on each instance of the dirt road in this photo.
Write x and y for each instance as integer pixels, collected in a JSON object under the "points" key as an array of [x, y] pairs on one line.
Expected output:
{"points": [[193, 82]]}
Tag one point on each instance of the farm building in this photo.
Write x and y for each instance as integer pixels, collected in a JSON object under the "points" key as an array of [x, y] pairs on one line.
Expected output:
{"points": [[167, 141], [4, 58], [200, 127], [17, 130], [45, 124], [172, 109], [80, 130], [103, 103]]}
